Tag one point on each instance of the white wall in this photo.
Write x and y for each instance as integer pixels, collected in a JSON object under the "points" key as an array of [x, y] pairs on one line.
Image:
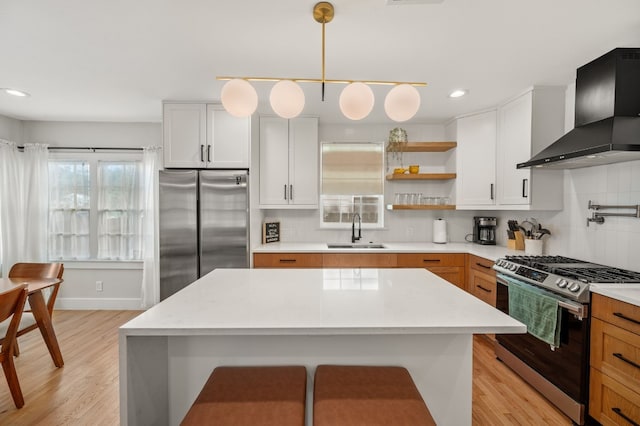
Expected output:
{"points": [[10, 129], [121, 280]]}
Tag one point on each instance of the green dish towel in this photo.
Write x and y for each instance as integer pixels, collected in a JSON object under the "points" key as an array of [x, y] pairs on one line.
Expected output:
{"points": [[538, 311]]}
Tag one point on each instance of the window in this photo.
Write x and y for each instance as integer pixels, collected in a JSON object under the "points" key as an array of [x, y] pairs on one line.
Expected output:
{"points": [[352, 182], [95, 209]]}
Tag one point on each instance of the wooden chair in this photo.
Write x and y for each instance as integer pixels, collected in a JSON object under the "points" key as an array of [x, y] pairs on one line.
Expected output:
{"points": [[11, 305], [39, 270]]}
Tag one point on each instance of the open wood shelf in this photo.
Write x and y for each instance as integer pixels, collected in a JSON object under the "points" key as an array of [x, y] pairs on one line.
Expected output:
{"points": [[420, 207], [428, 146], [421, 176]]}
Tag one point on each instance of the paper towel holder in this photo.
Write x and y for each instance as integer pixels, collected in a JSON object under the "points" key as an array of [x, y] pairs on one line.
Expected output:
{"points": [[440, 231]]}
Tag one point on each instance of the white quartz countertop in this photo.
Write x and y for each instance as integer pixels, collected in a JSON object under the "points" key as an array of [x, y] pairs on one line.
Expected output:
{"points": [[488, 252], [321, 302], [629, 293]]}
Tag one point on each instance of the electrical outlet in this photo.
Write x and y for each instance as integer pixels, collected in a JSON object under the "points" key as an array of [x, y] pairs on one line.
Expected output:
{"points": [[98, 285]]}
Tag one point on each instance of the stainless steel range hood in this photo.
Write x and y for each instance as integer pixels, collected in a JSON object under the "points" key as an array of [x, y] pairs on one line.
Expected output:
{"points": [[607, 115]]}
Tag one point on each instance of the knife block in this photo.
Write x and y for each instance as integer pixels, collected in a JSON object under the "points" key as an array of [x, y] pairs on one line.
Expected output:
{"points": [[518, 243]]}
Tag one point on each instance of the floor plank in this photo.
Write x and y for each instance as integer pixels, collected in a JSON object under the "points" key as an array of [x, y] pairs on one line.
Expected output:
{"points": [[85, 390]]}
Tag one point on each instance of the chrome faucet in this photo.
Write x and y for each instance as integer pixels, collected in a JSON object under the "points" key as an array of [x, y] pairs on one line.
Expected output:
{"points": [[353, 228]]}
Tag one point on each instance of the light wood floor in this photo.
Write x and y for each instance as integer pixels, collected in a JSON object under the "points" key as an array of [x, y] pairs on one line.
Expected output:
{"points": [[85, 390]]}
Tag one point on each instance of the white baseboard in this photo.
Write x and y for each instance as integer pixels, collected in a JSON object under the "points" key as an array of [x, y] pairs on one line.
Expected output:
{"points": [[72, 303]]}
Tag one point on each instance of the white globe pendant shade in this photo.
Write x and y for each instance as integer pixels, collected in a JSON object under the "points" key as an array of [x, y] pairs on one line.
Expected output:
{"points": [[356, 101], [402, 102], [239, 98], [287, 99]]}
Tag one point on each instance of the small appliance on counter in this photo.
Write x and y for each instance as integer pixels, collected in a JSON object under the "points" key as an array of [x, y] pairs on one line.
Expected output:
{"points": [[484, 230], [440, 231]]}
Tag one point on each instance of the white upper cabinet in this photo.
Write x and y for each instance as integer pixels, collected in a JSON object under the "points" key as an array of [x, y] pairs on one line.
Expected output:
{"points": [[526, 125], [492, 143], [476, 160], [199, 135], [184, 135], [288, 162], [227, 139]]}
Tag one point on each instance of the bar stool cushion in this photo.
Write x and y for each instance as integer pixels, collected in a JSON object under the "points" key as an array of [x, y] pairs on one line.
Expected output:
{"points": [[254, 395], [367, 396]]}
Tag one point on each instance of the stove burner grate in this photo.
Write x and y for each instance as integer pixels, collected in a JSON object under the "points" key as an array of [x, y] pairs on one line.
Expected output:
{"points": [[599, 275]]}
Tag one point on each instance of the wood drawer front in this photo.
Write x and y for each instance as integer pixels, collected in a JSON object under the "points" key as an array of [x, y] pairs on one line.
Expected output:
{"points": [[287, 260], [481, 264], [453, 274], [622, 314], [359, 260], [616, 353], [483, 286], [427, 260], [606, 394]]}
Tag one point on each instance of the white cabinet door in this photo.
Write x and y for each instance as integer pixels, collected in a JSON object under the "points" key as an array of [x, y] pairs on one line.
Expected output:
{"points": [[227, 139], [303, 161], [274, 161], [288, 162], [476, 160], [514, 146], [184, 135]]}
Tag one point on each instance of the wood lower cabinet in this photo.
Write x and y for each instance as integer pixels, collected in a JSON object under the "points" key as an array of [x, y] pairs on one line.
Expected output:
{"points": [[449, 266], [287, 260], [481, 279], [359, 260], [614, 389]]}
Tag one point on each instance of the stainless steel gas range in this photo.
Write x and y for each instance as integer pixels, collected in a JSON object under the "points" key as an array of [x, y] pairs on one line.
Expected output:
{"points": [[560, 372]]}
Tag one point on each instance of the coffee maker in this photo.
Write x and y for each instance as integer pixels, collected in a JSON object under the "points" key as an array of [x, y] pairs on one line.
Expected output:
{"points": [[484, 230]]}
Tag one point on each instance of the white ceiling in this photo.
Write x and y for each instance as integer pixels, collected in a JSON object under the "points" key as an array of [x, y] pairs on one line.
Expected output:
{"points": [[116, 60]]}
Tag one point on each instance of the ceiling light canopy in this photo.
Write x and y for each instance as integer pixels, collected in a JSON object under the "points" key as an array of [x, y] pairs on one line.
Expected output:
{"points": [[287, 100]]}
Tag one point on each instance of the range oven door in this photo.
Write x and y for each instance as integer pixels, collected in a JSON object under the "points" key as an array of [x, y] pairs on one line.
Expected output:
{"points": [[566, 367]]}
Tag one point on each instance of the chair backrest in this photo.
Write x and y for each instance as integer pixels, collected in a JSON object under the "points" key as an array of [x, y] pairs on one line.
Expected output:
{"points": [[40, 270], [11, 303]]}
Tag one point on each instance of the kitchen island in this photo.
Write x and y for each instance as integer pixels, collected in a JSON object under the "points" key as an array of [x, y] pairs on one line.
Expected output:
{"points": [[407, 317]]}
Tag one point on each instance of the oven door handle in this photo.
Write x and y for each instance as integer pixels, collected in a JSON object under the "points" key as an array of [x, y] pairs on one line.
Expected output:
{"points": [[577, 309]]}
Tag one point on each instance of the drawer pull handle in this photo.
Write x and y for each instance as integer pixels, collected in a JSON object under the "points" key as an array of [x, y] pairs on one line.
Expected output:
{"points": [[620, 315], [430, 260], [619, 412], [628, 361], [287, 260], [483, 266], [483, 288]]}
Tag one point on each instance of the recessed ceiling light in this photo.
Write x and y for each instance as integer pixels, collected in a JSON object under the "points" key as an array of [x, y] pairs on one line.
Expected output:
{"points": [[591, 156], [15, 92], [457, 93]]}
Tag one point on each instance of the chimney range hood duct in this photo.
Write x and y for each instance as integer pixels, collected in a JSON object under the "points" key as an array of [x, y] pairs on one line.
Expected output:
{"points": [[607, 115]]}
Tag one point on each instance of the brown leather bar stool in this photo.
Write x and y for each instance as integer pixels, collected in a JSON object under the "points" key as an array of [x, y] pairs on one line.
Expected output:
{"points": [[251, 396], [367, 396]]}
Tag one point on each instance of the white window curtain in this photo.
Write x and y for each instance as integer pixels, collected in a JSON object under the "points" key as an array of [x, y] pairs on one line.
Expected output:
{"points": [[150, 274], [24, 193]]}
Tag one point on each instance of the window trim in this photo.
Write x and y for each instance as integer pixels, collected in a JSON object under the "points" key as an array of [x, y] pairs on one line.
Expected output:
{"points": [[381, 206], [93, 158]]}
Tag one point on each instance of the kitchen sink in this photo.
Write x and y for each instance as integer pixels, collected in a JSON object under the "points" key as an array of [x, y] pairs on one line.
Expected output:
{"points": [[354, 246]]}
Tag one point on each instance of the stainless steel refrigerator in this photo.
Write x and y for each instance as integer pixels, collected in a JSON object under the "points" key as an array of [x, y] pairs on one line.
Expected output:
{"points": [[204, 224]]}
